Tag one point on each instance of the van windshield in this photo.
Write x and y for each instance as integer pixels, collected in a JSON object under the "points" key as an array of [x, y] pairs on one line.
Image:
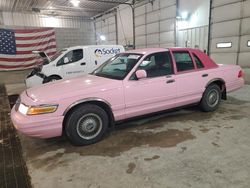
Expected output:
{"points": [[118, 66]]}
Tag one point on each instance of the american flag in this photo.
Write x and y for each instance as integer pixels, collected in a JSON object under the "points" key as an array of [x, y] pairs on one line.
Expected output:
{"points": [[16, 46]]}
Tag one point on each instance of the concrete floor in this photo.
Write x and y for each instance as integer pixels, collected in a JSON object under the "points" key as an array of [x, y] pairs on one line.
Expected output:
{"points": [[186, 148], [14, 80]]}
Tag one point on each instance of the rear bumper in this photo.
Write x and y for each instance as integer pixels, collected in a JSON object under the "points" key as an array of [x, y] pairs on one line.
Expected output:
{"points": [[233, 86], [40, 126]]}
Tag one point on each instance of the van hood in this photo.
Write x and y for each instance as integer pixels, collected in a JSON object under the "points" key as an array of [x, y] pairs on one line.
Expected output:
{"points": [[44, 56], [84, 86]]}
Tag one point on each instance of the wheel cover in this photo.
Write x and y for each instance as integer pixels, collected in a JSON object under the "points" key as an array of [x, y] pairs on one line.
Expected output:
{"points": [[89, 126], [213, 98]]}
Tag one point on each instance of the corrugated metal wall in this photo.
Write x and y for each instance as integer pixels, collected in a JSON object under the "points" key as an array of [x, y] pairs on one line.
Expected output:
{"points": [[193, 37], [230, 27], [155, 24], [66, 37], [36, 20], [70, 31], [106, 26]]}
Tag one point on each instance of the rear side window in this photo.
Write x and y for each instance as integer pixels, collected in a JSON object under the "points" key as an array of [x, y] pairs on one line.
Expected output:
{"points": [[198, 62], [183, 61]]}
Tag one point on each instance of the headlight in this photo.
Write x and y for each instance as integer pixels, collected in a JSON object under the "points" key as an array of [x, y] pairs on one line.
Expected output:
{"points": [[35, 110], [23, 109]]}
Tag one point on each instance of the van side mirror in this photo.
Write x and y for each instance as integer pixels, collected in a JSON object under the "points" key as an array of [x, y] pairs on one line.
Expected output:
{"points": [[141, 74], [66, 60]]}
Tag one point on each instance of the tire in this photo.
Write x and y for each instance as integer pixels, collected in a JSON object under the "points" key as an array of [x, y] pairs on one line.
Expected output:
{"points": [[86, 124], [51, 79], [211, 98]]}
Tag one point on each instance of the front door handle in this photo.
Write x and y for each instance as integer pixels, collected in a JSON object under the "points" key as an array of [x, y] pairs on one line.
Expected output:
{"points": [[170, 81], [83, 63], [205, 75]]}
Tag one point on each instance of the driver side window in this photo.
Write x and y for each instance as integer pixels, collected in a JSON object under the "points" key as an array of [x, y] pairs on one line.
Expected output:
{"points": [[158, 64], [72, 56]]}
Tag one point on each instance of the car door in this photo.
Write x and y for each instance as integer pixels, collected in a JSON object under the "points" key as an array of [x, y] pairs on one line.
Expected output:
{"points": [[73, 63], [156, 92], [191, 77]]}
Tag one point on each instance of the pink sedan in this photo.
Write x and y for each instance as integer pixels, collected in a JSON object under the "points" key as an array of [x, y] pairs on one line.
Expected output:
{"points": [[130, 84]]}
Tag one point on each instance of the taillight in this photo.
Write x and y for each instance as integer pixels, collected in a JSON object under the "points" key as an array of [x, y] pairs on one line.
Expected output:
{"points": [[240, 75]]}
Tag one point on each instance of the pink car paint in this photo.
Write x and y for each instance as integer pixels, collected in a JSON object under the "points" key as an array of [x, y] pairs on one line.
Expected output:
{"points": [[126, 98]]}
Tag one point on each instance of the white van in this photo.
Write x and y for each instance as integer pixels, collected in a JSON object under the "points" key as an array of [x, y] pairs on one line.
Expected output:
{"points": [[71, 62]]}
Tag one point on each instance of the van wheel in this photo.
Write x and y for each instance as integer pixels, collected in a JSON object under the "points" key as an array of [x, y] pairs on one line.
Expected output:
{"points": [[51, 79], [86, 124], [211, 98]]}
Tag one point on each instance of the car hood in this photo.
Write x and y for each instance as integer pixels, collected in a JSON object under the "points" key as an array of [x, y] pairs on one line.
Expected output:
{"points": [[83, 86]]}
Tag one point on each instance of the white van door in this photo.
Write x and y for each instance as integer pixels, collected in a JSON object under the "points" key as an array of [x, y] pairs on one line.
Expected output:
{"points": [[100, 54], [73, 63]]}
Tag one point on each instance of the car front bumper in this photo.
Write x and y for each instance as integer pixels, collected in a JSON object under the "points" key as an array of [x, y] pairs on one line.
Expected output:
{"points": [[41, 126]]}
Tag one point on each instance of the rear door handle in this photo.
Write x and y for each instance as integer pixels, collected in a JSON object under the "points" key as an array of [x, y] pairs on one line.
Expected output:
{"points": [[170, 81], [205, 75], [83, 63]]}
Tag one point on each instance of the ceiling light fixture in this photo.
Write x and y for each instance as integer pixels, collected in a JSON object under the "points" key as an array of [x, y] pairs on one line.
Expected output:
{"points": [[102, 37], [184, 15], [75, 3]]}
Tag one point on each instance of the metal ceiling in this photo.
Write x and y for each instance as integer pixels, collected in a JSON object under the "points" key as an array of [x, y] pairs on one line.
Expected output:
{"points": [[86, 8]]}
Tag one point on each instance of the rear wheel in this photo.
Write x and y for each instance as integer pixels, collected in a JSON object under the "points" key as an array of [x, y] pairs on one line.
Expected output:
{"points": [[211, 98], [51, 79], [86, 124]]}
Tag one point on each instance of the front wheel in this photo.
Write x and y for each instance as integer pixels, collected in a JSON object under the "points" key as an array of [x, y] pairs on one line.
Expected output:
{"points": [[211, 98], [86, 124]]}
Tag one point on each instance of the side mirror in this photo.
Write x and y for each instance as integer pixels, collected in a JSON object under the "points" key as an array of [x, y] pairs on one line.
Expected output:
{"points": [[66, 60], [141, 74]]}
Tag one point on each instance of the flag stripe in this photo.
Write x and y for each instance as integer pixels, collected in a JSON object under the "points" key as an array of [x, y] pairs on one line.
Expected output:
{"points": [[36, 44], [36, 37], [34, 41], [18, 66], [33, 34], [32, 30], [41, 49], [26, 62], [20, 59], [27, 55]]}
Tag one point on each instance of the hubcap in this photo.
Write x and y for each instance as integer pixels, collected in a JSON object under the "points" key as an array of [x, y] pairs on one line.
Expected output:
{"points": [[89, 126], [213, 98]]}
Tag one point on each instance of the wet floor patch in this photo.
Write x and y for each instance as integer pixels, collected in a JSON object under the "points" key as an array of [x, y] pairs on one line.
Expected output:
{"points": [[152, 158], [13, 170], [131, 168], [204, 130], [113, 145]]}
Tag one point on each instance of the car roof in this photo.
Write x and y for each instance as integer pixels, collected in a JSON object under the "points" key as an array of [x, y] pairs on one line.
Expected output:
{"points": [[146, 51]]}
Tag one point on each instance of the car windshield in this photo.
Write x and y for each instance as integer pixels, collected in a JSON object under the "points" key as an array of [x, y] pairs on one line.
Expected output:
{"points": [[118, 67], [57, 54]]}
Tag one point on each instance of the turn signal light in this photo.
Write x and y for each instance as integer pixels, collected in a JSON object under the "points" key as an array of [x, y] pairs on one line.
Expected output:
{"points": [[34, 110]]}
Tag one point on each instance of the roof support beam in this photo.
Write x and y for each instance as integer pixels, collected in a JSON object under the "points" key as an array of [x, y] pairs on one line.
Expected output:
{"points": [[112, 2]]}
